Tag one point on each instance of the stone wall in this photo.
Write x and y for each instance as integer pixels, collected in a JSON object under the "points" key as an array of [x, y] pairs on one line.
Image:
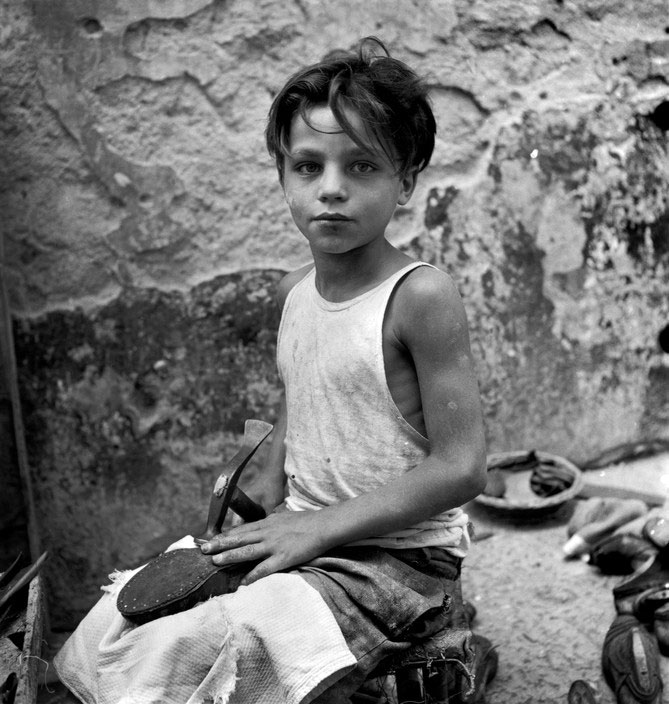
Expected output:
{"points": [[144, 232]]}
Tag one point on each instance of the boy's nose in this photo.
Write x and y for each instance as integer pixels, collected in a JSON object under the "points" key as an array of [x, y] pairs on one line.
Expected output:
{"points": [[332, 185]]}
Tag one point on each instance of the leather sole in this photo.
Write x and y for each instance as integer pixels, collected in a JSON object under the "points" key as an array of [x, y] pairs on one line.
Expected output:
{"points": [[175, 581]]}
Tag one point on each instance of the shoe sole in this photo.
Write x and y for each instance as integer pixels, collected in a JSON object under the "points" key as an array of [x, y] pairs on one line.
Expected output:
{"points": [[175, 581], [640, 661]]}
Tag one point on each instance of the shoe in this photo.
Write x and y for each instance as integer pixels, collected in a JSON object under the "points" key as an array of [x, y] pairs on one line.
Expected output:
{"points": [[175, 581], [621, 553], [630, 662], [581, 692], [484, 669], [647, 603], [178, 579], [661, 628], [653, 573]]}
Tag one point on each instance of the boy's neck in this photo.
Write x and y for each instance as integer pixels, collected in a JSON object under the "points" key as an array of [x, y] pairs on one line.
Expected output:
{"points": [[341, 277]]}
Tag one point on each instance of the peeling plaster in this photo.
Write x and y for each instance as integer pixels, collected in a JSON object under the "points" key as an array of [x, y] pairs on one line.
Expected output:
{"points": [[561, 236]]}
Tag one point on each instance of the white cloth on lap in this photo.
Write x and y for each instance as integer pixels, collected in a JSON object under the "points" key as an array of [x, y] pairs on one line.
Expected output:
{"points": [[272, 642]]}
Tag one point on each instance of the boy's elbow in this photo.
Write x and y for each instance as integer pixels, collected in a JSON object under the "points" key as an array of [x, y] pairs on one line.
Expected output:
{"points": [[475, 477], [463, 476]]}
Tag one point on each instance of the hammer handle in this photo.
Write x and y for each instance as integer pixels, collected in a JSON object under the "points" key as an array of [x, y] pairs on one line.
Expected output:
{"points": [[247, 509]]}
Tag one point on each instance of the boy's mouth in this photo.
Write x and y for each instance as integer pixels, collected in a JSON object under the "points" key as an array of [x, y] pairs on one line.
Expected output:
{"points": [[331, 217]]}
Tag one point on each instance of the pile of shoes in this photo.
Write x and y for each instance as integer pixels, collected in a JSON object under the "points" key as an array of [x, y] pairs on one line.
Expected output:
{"points": [[639, 632]]}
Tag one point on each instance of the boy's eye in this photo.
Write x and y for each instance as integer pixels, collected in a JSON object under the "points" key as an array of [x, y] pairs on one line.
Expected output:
{"points": [[307, 168], [363, 167]]}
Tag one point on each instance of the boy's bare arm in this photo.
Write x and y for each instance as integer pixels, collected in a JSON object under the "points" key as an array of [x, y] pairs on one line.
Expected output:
{"points": [[429, 319]]}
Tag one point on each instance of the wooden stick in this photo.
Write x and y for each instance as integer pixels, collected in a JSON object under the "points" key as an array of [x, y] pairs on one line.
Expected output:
{"points": [[8, 380]]}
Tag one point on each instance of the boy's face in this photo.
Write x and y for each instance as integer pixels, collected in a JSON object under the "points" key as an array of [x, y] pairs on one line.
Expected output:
{"points": [[341, 197]]}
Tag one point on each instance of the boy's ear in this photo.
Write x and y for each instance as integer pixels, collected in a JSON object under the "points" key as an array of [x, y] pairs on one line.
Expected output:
{"points": [[407, 186]]}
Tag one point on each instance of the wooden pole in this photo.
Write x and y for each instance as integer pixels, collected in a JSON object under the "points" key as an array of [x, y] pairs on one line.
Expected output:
{"points": [[9, 381]]}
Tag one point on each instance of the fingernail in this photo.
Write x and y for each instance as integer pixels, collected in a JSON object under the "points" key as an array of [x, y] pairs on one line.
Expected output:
{"points": [[205, 547]]}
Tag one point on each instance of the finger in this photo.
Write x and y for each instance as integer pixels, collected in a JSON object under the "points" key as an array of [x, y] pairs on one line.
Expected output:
{"points": [[244, 527], [245, 553], [226, 541], [261, 570]]}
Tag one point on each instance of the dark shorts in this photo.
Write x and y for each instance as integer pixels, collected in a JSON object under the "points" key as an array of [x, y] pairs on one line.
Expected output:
{"points": [[383, 600]]}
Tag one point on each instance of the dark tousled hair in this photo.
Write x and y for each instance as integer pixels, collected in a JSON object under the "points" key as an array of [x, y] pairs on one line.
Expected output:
{"points": [[387, 95]]}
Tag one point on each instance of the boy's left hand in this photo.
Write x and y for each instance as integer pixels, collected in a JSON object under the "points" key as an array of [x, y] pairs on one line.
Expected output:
{"points": [[280, 541]]}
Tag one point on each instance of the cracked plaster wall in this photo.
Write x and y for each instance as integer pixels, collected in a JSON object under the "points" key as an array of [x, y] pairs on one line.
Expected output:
{"points": [[144, 232]]}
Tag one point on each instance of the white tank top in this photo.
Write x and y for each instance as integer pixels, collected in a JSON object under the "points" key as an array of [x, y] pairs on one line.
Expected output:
{"points": [[345, 435]]}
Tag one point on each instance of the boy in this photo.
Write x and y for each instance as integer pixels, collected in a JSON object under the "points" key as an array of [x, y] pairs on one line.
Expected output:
{"points": [[373, 348], [380, 439]]}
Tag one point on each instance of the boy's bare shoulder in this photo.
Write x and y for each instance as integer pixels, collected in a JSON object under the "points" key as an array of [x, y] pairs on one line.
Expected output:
{"points": [[289, 280], [427, 285], [428, 300]]}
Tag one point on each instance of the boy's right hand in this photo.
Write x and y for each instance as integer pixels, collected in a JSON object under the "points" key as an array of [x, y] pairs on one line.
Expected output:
{"points": [[280, 541]]}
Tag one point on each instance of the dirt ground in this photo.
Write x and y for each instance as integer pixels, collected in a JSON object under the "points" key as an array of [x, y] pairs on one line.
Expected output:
{"points": [[546, 616]]}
